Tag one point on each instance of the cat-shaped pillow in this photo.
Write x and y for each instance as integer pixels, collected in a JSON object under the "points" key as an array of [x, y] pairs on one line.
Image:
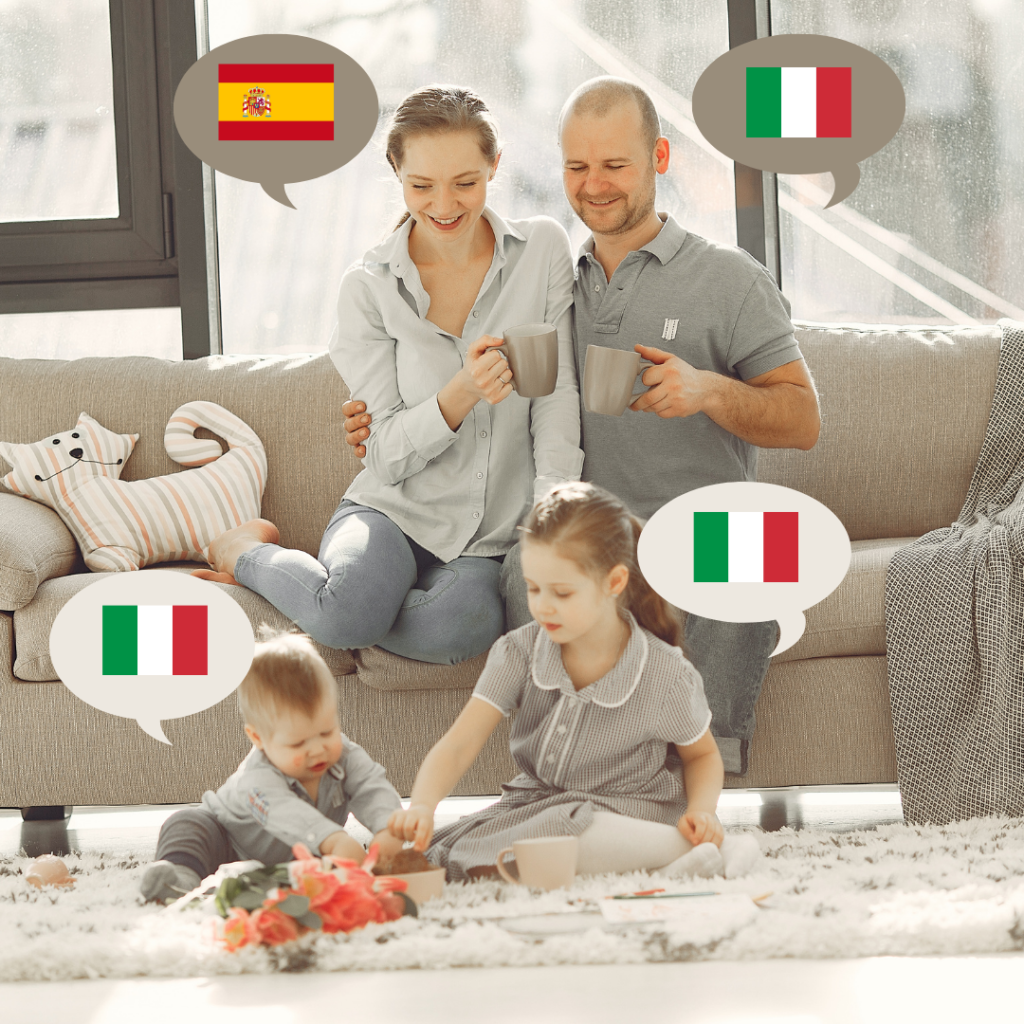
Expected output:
{"points": [[122, 525]]}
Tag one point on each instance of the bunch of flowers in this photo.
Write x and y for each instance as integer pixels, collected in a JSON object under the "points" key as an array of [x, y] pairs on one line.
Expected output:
{"points": [[274, 904]]}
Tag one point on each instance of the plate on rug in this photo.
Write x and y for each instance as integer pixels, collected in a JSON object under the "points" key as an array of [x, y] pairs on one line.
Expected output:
{"points": [[897, 890]]}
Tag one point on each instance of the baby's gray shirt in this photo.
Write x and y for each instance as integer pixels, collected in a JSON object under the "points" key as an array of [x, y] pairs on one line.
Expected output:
{"points": [[266, 812]]}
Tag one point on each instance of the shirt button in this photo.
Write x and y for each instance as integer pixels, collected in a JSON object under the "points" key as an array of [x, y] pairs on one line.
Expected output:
{"points": [[311, 836], [483, 433], [597, 287], [479, 476], [561, 730], [476, 312], [476, 515]]}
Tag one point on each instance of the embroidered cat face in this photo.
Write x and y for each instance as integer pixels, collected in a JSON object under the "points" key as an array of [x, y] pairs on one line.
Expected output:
{"points": [[48, 469]]}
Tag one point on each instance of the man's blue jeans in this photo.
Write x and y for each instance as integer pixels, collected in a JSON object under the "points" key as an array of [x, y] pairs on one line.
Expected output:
{"points": [[732, 658], [371, 585]]}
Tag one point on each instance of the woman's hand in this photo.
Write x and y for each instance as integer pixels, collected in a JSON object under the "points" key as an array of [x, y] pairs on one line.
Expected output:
{"points": [[701, 827], [485, 373], [415, 825], [357, 425]]}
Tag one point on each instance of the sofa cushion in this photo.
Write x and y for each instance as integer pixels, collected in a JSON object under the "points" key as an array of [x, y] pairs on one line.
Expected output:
{"points": [[903, 415], [34, 546], [851, 620], [32, 623], [386, 671], [293, 403]]}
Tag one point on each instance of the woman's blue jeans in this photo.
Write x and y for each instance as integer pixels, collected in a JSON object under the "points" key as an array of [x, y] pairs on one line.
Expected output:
{"points": [[371, 585]]}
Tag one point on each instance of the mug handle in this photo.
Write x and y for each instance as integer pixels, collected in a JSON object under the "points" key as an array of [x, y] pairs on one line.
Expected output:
{"points": [[644, 364], [502, 870], [504, 351]]}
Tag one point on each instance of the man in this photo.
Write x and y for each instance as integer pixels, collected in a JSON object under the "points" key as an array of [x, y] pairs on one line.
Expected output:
{"points": [[728, 374]]}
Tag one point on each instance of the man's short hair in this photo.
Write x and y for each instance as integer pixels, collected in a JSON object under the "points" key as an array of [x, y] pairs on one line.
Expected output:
{"points": [[286, 674], [600, 95]]}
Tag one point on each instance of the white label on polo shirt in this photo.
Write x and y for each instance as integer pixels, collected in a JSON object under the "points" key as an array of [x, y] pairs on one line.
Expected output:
{"points": [[669, 331]]}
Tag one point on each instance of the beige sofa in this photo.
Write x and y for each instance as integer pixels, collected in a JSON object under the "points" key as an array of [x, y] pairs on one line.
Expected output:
{"points": [[903, 416]]}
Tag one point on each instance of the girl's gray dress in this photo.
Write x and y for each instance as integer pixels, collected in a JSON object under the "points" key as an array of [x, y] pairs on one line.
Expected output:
{"points": [[606, 747]]}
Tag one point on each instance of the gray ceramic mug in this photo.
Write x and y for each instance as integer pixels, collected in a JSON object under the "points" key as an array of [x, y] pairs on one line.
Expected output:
{"points": [[609, 379], [532, 354]]}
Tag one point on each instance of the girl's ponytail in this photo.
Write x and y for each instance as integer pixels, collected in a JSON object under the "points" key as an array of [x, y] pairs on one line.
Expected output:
{"points": [[594, 529], [649, 608]]}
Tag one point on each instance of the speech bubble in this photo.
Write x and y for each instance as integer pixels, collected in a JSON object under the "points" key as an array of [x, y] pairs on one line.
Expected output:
{"points": [[877, 105], [77, 648], [667, 546], [283, 105]]}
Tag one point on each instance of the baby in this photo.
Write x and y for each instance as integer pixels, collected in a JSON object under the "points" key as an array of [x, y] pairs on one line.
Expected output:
{"points": [[298, 784]]}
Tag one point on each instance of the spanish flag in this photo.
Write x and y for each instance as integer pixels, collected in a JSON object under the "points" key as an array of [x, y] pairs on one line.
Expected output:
{"points": [[276, 102]]}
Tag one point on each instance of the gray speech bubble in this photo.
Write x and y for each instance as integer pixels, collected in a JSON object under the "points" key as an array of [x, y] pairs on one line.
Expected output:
{"points": [[274, 163], [877, 108]]}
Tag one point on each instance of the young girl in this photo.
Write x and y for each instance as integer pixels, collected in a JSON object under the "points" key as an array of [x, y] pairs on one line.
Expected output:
{"points": [[606, 708]]}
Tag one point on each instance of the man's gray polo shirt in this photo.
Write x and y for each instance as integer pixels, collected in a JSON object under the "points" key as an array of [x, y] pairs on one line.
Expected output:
{"points": [[712, 305]]}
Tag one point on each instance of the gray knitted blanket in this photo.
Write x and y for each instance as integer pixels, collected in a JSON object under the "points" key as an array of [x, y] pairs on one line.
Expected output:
{"points": [[954, 608]]}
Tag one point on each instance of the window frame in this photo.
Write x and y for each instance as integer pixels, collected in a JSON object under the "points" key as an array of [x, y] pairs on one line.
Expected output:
{"points": [[154, 253]]}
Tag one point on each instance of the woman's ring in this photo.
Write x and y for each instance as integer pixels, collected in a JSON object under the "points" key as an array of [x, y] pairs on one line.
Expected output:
{"points": [[503, 381]]}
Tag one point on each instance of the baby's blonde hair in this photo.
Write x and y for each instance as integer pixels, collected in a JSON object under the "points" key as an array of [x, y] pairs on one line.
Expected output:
{"points": [[284, 677]]}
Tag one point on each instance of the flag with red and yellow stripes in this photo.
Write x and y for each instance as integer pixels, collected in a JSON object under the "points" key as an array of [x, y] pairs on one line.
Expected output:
{"points": [[275, 102]]}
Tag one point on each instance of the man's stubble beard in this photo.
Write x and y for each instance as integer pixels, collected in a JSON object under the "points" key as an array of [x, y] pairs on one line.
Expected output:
{"points": [[631, 215]]}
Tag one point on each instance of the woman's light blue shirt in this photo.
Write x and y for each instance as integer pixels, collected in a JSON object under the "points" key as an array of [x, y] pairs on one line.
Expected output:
{"points": [[464, 491]]}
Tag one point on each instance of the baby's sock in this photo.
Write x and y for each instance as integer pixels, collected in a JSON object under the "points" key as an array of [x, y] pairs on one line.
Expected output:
{"points": [[166, 881], [703, 861], [740, 852]]}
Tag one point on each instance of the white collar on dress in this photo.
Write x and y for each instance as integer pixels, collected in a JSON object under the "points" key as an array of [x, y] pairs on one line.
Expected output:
{"points": [[615, 687]]}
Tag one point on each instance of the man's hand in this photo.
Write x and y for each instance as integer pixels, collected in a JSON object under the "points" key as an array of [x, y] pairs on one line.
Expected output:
{"points": [[701, 827], [341, 844], [675, 387], [415, 825], [357, 427]]}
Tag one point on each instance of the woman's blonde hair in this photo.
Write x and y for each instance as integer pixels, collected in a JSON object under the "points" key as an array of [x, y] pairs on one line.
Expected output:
{"points": [[437, 109], [595, 530]]}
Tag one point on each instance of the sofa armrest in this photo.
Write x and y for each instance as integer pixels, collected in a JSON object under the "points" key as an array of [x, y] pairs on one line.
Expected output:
{"points": [[34, 546]]}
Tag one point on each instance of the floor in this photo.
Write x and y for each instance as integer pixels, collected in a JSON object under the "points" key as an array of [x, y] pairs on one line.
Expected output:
{"points": [[879, 990]]}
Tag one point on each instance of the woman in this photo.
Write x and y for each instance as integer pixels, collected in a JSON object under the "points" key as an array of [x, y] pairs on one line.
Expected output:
{"points": [[411, 557]]}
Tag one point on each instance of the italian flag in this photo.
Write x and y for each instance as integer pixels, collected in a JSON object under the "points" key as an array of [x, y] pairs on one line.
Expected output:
{"points": [[746, 547], [154, 640], [275, 102], [798, 103]]}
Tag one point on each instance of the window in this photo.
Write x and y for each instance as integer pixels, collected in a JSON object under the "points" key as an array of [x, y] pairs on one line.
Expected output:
{"points": [[99, 203], [930, 234]]}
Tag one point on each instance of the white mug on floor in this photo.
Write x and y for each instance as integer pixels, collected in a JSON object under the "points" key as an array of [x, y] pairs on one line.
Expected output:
{"points": [[547, 863]]}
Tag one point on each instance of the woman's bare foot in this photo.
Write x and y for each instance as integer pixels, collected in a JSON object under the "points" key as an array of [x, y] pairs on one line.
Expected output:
{"points": [[224, 551]]}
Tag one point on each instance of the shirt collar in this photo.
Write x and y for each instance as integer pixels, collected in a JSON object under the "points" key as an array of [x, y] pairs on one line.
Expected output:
{"points": [[336, 773], [615, 687], [664, 245], [393, 252]]}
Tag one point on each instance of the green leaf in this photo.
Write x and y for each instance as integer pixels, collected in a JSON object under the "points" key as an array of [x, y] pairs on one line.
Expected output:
{"points": [[249, 900], [294, 905], [310, 920], [410, 910]]}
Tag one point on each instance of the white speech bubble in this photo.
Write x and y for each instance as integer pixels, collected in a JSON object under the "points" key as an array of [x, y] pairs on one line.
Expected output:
{"points": [[666, 557], [76, 648]]}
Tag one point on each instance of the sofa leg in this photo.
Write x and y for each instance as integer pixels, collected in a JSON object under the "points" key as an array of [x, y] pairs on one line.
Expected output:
{"points": [[58, 813]]}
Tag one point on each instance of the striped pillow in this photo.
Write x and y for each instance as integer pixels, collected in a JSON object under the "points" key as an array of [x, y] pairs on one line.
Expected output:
{"points": [[122, 525]]}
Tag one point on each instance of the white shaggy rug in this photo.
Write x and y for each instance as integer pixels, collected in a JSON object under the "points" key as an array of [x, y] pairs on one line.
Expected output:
{"points": [[897, 890]]}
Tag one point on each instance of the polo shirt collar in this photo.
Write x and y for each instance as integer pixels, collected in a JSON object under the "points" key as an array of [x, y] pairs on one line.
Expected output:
{"points": [[665, 244], [393, 252], [335, 772], [615, 687]]}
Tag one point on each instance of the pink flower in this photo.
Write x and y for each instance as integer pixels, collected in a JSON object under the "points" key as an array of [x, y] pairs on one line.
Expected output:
{"points": [[273, 927], [238, 930], [319, 887]]}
